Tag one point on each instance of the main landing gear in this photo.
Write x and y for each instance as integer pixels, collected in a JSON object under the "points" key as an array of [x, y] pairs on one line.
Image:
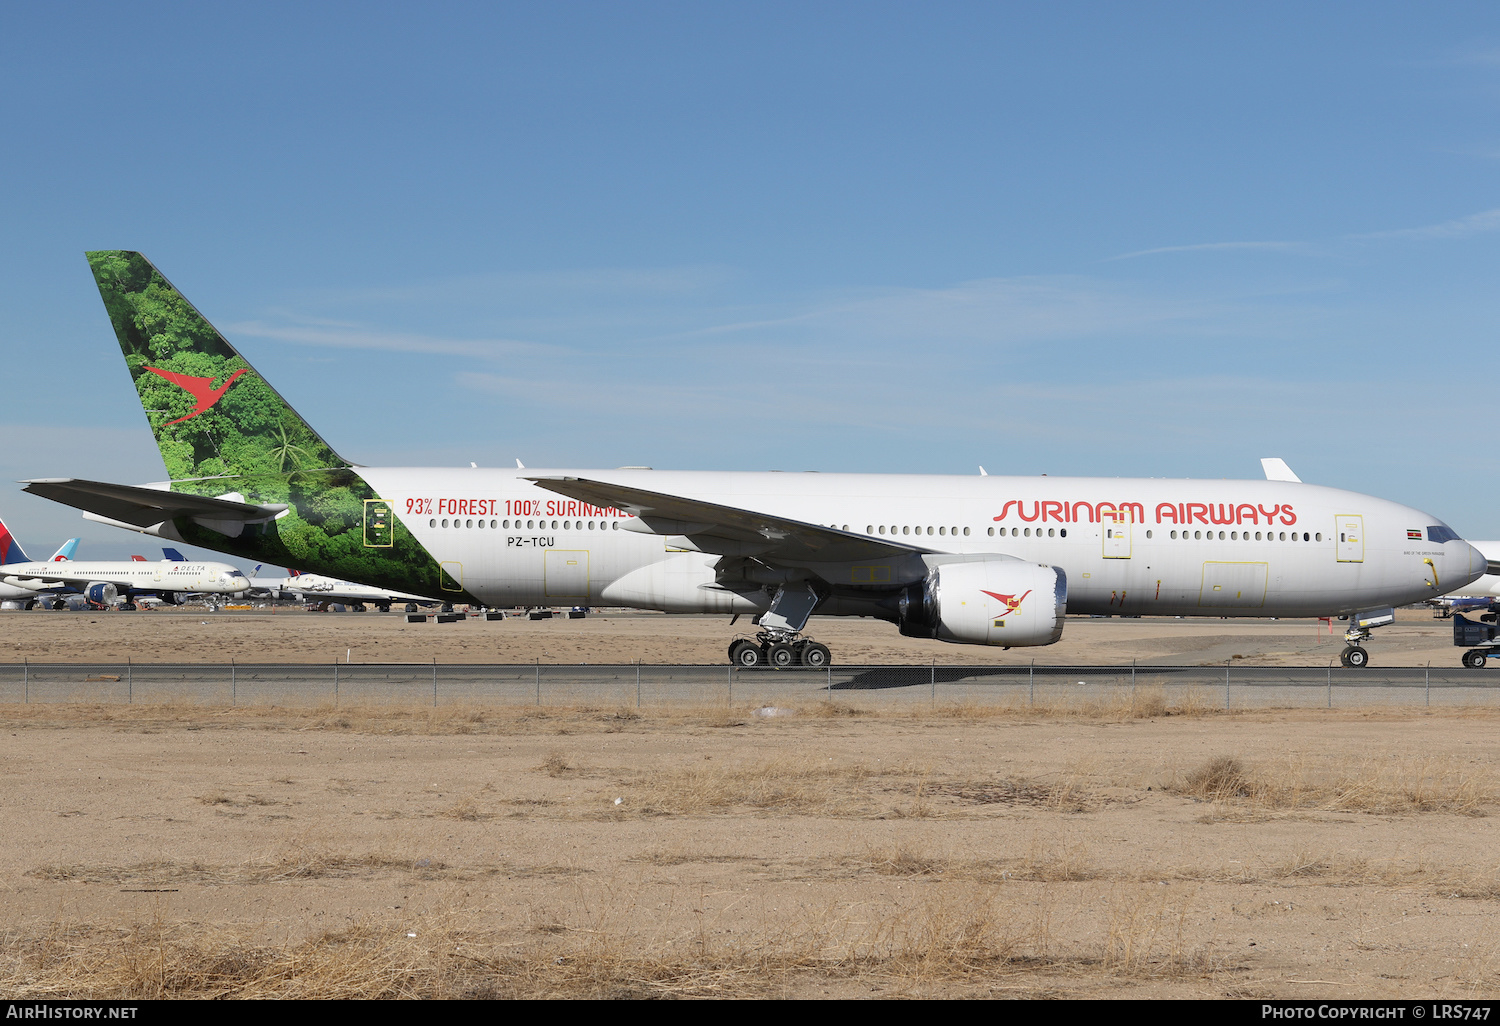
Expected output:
{"points": [[779, 642], [780, 649]]}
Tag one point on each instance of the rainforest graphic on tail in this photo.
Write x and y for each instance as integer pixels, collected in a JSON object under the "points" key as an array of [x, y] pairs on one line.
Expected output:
{"points": [[211, 413], [223, 430]]}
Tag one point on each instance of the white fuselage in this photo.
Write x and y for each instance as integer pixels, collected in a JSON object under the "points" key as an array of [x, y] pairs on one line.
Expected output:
{"points": [[163, 576], [318, 587], [1131, 546], [1487, 586]]}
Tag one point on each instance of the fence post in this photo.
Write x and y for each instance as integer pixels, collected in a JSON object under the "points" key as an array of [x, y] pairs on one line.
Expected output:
{"points": [[1226, 685], [637, 683], [829, 670], [1132, 682], [934, 683], [538, 678], [434, 682], [335, 682], [1330, 682], [26, 670], [1427, 684], [729, 685], [1031, 681], [129, 682], [232, 685]]}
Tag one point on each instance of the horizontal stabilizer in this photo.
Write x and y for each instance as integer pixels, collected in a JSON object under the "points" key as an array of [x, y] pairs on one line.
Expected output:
{"points": [[143, 507], [782, 538]]}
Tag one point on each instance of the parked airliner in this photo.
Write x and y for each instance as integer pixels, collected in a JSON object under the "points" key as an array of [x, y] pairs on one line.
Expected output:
{"points": [[985, 560]]}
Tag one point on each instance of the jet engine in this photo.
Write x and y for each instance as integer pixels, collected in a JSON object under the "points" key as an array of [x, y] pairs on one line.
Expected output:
{"points": [[102, 594], [987, 602]]}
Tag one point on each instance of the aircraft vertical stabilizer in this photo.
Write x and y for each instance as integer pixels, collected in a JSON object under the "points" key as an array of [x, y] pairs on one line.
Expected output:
{"points": [[10, 549], [212, 414]]}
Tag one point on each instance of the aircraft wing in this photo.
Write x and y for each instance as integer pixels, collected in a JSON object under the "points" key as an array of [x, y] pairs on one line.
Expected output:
{"points": [[144, 507], [747, 531]]}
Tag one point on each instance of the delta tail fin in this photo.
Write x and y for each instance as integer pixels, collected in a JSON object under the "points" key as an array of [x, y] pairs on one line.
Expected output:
{"points": [[10, 549], [173, 555], [211, 413]]}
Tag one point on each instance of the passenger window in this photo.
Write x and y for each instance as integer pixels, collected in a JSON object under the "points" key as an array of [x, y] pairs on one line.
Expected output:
{"points": [[992, 532], [1148, 534], [1028, 532], [882, 529], [966, 532], [1051, 533], [1174, 535], [1064, 532], [445, 523], [942, 530], [432, 522]]}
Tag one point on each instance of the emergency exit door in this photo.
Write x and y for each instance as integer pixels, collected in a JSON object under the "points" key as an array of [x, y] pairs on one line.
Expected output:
{"points": [[1115, 527], [1349, 531]]}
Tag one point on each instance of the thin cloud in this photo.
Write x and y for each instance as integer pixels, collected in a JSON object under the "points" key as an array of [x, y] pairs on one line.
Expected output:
{"points": [[1475, 224], [1202, 246], [344, 336]]}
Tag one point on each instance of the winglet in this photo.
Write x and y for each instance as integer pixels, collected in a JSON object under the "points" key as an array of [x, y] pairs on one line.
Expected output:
{"points": [[1277, 470], [10, 549]]}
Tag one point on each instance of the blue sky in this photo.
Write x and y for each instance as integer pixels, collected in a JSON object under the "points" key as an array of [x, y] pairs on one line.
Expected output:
{"points": [[1138, 240]]}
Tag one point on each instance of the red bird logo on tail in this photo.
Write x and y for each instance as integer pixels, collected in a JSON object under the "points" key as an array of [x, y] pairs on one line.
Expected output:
{"points": [[201, 389]]}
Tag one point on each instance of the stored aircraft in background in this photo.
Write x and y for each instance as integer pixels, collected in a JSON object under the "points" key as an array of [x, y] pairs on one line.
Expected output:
{"points": [[10, 552], [326, 590], [1479, 594], [107, 583], [983, 560]]}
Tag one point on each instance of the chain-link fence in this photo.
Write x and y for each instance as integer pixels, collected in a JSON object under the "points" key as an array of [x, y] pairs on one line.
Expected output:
{"points": [[437, 684]]}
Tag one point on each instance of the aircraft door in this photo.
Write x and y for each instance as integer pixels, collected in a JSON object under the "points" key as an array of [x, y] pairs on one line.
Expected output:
{"points": [[1116, 532], [451, 575], [1350, 531], [567, 573]]}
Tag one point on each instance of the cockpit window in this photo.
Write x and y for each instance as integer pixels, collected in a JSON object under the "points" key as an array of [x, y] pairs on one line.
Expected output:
{"points": [[1441, 533]]}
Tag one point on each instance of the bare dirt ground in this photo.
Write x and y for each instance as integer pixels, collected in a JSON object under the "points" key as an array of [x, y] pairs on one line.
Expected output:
{"points": [[291, 635], [1084, 852], [1074, 851]]}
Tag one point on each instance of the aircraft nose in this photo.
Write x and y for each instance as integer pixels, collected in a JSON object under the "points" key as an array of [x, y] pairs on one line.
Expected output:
{"points": [[1478, 564]]}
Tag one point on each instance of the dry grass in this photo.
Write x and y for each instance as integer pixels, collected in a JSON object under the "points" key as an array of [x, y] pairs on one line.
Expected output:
{"points": [[295, 864], [1147, 701], [961, 942], [1382, 787]]}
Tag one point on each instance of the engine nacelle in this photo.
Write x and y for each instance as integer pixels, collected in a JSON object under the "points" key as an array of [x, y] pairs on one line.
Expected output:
{"points": [[170, 598], [987, 602], [103, 594]]}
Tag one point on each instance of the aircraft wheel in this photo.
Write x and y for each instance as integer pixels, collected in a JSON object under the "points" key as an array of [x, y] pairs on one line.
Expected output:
{"points": [[411, 607], [384, 607], [781, 655], [59, 604], [746, 655], [1355, 657], [31, 604], [128, 607], [815, 655], [1474, 659]]}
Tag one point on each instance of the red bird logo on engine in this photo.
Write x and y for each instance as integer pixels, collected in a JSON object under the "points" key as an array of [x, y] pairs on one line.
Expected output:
{"points": [[1010, 602], [201, 389]]}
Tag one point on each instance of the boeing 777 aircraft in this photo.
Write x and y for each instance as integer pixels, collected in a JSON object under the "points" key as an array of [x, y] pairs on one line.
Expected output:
{"points": [[982, 560]]}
